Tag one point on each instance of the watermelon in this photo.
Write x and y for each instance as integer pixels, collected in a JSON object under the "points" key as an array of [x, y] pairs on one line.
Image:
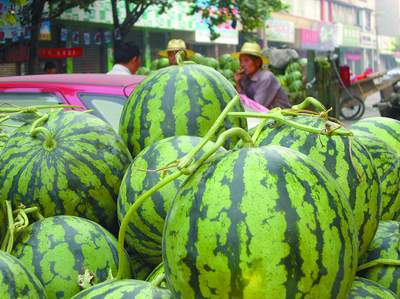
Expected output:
{"points": [[198, 58], [386, 129], [178, 100], [228, 74], [365, 289], [143, 71], [16, 281], [234, 65], [259, 222], [294, 76], [139, 268], [384, 246], [154, 65], [79, 173], [212, 62], [225, 60], [129, 289], [144, 232], [387, 163], [355, 173], [294, 67], [162, 63], [59, 249], [296, 86]]}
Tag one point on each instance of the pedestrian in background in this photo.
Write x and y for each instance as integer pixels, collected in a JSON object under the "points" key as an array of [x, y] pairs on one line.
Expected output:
{"points": [[173, 47], [50, 68], [126, 59]]}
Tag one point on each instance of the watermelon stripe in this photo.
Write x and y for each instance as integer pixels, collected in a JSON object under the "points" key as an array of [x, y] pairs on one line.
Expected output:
{"points": [[211, 247], [58, 249], [16, 281], [176, 101]]}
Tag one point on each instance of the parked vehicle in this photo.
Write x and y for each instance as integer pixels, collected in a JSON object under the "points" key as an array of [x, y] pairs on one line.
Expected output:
{"points": [[103, 94]]}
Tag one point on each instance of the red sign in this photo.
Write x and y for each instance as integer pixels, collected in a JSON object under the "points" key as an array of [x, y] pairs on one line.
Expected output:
{"points": [[310, 38], [60, 52]]}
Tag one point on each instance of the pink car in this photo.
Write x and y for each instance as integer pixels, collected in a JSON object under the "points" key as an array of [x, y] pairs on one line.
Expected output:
{"points": [[104, 94]]}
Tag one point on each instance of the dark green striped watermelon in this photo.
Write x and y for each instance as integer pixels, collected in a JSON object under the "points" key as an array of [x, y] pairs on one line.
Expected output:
{"points": [[80, 174], [365, 289], [178, 100], [387, 162], [383, 128], [144, 232], [59, 249], [386, 245], [16, 281], [259, 222], [124, 289], [355, 172], [140, 269]]}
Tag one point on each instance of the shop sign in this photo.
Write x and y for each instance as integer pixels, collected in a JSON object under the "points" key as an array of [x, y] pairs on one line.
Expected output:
{"points": [[60, 52], [368, 40], [351, 36], [280, 31], [353, 56], [387, 44], [327, 37], [309, 38], [45, 31]]}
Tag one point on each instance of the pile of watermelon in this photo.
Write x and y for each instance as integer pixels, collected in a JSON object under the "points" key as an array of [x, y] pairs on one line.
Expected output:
{"points": [[185, 202], [226, 65]]}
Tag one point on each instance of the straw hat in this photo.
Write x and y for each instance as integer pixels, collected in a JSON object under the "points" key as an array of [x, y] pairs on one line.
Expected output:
{"points": [[251, 49], [176, 45]]}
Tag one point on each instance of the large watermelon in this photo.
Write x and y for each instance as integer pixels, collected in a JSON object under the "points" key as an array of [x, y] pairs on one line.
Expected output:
{"points": [[386, 129], [386, 245], [348, 162], [59, 249], [144, 232], [387, 162], [178, 100], [259, 222], [124, 289], [77, 171], [365, 289], [16, 281]]}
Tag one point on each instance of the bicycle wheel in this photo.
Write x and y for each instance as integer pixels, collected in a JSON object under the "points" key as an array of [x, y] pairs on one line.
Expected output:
{"points": [[352, 108]]}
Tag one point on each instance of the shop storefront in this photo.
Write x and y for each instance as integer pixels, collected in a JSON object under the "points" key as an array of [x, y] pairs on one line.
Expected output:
{"points": [[351, 53], [387, 46], [280, 33]]}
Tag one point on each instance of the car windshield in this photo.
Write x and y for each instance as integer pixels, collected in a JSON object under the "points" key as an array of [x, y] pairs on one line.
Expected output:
{"points": [[22, 99], [107, 107]]}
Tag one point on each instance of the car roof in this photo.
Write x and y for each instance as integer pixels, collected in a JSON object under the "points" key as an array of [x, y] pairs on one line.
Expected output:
{"points": [[81, 79]]}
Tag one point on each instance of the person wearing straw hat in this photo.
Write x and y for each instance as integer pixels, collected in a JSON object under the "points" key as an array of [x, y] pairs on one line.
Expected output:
{"points": [[173, 47], [256, 83]]}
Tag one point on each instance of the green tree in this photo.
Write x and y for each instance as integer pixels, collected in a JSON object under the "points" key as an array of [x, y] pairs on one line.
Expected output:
{"points": [[250, 13], [32, 13]]}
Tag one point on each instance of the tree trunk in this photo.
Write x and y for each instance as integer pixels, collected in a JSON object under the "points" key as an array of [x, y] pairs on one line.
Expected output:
{"points": [[37, 12]]}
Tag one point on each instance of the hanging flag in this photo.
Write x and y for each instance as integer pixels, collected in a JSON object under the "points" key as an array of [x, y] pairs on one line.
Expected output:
{"points": [[107, 37], [2, 37], [86, 38], [75, 37], [64, 34], [117, 34], [97, 38]]}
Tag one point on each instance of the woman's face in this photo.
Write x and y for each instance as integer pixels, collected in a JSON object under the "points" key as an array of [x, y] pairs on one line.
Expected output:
{"points": [[250, 64], [172, 57]]}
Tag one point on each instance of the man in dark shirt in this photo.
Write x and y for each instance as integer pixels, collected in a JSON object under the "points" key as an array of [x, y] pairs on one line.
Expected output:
{"points": [[258, 84]]}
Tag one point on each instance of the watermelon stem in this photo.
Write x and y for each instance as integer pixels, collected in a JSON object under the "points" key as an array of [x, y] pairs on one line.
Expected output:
{"points": [[180, 57], [377, 262], [310, 101], [122, 263], [279, 116], [188, 159], [34, 108], [49, 142], [158, 280]]}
